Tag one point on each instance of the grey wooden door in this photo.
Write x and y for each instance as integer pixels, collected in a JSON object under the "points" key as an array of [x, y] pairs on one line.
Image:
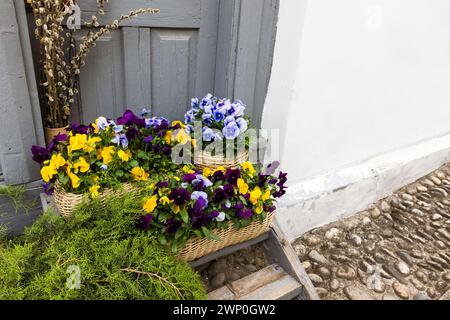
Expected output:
{"points": [[190, 48]]}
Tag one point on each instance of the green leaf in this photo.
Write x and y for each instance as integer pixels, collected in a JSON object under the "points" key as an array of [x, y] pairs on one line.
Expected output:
{"points": [[162, 239], [209, 234], [174, 246], [179, 233], [134, 163], [142, 155], [119, 173], [184, 216], [198, 233]]}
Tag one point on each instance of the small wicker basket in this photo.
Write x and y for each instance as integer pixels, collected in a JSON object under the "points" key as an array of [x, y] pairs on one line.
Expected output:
{"points": [[197, 247], [205, 160], [66, 201]]}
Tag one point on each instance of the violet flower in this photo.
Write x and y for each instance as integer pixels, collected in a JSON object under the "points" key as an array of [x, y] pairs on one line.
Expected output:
{"points": [[229, 190], [233, 175], [40, 154], [172, 226], [148, 139], [179, 196], [219, 195], [245, 213], [48, 188], [144, 222]]}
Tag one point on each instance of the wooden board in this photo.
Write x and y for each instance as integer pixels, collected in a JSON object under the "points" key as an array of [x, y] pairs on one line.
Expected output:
{"points": [[270, 283], [257, 279], [280, 251], [285, 288]]}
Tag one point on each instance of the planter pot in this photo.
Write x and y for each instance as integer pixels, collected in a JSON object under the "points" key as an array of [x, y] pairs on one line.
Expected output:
{"points": [[200, 247], [204, 160], [50, 133], [66, 201]]}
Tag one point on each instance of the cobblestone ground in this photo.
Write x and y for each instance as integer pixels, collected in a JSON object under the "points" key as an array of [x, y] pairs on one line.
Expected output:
{"points": [[398, 249]]}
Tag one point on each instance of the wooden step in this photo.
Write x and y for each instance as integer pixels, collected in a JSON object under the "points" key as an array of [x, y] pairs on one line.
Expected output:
{"points": [[270, 283]]}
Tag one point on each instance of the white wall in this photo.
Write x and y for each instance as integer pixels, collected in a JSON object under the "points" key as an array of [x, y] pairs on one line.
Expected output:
{"points": [[356, 79]]}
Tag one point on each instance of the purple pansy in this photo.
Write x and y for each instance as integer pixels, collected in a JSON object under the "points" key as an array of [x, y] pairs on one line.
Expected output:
{"points": [[40, 154], [219, 195], [148, 139], [144, 222], [172, 226], [245, 213], [233, 175], [179, 196]]}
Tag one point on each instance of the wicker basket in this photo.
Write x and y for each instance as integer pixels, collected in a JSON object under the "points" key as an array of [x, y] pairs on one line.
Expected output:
{"points": [[205, 160], [199, 247], [66, 201]]}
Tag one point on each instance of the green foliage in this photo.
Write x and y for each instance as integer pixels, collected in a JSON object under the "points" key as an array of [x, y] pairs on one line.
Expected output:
{"points": [[116, 260]]}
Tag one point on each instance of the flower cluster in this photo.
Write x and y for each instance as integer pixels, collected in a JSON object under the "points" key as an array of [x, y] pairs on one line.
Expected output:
{"points": [[220, 118], [107, 152], [197, 201]]}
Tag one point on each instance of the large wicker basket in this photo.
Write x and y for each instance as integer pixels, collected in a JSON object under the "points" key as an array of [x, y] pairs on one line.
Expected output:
{"points": [[200, 247], [66, 201], [205, 160]]}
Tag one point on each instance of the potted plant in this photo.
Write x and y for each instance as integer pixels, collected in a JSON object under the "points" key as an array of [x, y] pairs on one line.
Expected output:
{"points": [[104, 157], [202, 211], [61, 59], [218, 125]]}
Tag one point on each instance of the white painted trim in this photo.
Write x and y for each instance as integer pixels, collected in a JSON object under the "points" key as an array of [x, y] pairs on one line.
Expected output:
{"points": [[313, 203]]}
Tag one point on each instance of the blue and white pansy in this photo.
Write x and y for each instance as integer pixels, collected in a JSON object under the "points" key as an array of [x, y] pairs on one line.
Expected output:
{"points": [[221, 118]]}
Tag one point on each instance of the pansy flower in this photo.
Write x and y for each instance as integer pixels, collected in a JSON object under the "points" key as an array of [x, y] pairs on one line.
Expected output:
{"points": [[179, 196]]}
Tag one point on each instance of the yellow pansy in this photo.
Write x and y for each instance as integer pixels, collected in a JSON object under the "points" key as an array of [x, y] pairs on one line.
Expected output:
{"points": [[242, 186], [255, 195], [248, 167], [187, 169], [90, 144], [95, 126], [94, 191], [266, 195], [194, 143], [174, 123], [77, 142], [177, 178], [57, 161], [107, 154], [207, 172], [258, 210], [164, 200], [139, 174], [182, 137], [124, 155], [82, 165], [150, 204], [73, 179], [48, 172], [168, 136], [176, 209], [220, 168]]}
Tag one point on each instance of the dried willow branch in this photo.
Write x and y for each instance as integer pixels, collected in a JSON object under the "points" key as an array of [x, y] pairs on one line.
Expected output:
{"points": [[60, 63], [157, 276]]}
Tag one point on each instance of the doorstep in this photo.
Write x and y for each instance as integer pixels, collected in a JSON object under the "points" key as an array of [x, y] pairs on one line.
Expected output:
{"points": [[283, 279]]}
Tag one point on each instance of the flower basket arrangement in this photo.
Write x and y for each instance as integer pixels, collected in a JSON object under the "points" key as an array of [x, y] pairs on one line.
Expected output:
{"points": [[222, 125], [105, 157], [206, 210]]}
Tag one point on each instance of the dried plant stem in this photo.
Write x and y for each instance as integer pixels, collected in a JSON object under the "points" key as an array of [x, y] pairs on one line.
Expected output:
{"points": [[60, 65], [154, 275], [78, 61]]}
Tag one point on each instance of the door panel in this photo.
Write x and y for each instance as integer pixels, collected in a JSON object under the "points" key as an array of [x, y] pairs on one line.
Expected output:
{"points": [[190, 48]]}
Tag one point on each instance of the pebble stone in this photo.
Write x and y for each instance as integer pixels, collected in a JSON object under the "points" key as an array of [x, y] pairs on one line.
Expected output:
{"points": [[345, 272], [401, 290], [335, 285], [332, 233], [358, 293], [315, 278], [317, 257], [402, 267]]}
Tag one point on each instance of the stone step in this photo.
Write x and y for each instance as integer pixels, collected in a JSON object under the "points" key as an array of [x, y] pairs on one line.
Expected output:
{"points": [[270, 283]]}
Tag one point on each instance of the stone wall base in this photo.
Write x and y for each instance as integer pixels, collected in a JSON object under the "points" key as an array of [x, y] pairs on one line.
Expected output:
{"points": [[341, 193]]}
